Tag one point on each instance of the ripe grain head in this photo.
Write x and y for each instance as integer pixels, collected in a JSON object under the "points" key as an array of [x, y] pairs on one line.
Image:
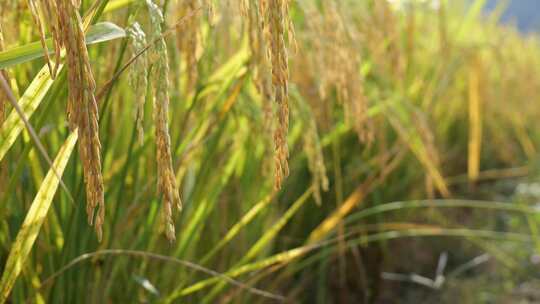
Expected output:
{"points": [[189, 40], [35, 10], [160, 76], [275, 26], [313, 150], [82, 108], [138, 76]]}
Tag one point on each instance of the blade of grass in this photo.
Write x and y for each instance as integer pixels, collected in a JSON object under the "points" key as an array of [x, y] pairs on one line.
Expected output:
{"points": [[143, 254], [31, 99], [34, 219], [265, 239], [352, 201], [234, 230], [20, 113]]}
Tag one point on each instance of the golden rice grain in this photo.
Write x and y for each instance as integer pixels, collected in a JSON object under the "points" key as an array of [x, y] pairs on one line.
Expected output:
{"points": [[160, 69], [341, 61], [260, 67], [35, 10], [276, 21], [138, 76], [188, 40], [313, 150], [50, 10], [82, 109]]}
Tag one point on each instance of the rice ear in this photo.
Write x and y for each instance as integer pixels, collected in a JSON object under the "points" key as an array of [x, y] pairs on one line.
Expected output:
{"points": [[275, 27], [188, 40], [34, 9], [138, 76], [82, 109], [166, 177]]}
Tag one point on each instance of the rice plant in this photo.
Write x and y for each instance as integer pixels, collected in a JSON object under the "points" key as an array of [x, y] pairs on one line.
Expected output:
{"points": [[261, 151]]}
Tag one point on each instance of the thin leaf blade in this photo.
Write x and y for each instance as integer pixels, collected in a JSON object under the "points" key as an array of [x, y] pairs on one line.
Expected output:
{"points": [[31, 99], [34, 219]]}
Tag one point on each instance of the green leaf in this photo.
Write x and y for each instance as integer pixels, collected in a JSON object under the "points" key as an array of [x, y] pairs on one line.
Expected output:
{"points": [[264, 240], [241, 224], [99, 32], [34, 219], [32, 97]]}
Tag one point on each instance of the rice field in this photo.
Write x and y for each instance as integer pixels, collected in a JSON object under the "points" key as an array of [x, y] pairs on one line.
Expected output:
{"points": [[263, 151]]}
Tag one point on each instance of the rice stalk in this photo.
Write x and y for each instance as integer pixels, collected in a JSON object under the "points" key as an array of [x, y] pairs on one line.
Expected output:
{"points": [[3, 111], [442, 24], [427, 138]]}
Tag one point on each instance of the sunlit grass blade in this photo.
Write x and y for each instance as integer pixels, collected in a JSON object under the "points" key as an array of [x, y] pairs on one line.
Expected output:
{"points": [[274, 259], [413, 139], [332, 221], [266, 238], [271, 233], [34, 219], [234, 230], [352, 201], [29, 102]]}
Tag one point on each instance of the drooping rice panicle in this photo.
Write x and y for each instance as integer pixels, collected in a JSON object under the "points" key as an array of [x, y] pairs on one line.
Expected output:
{"points": [[35, 10], [82, 109], [160, 75], [261, 70], [138, 76], [276, 22], [50, 11], [338, 64], [260, 55], [313, 150], [188, 40]]}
